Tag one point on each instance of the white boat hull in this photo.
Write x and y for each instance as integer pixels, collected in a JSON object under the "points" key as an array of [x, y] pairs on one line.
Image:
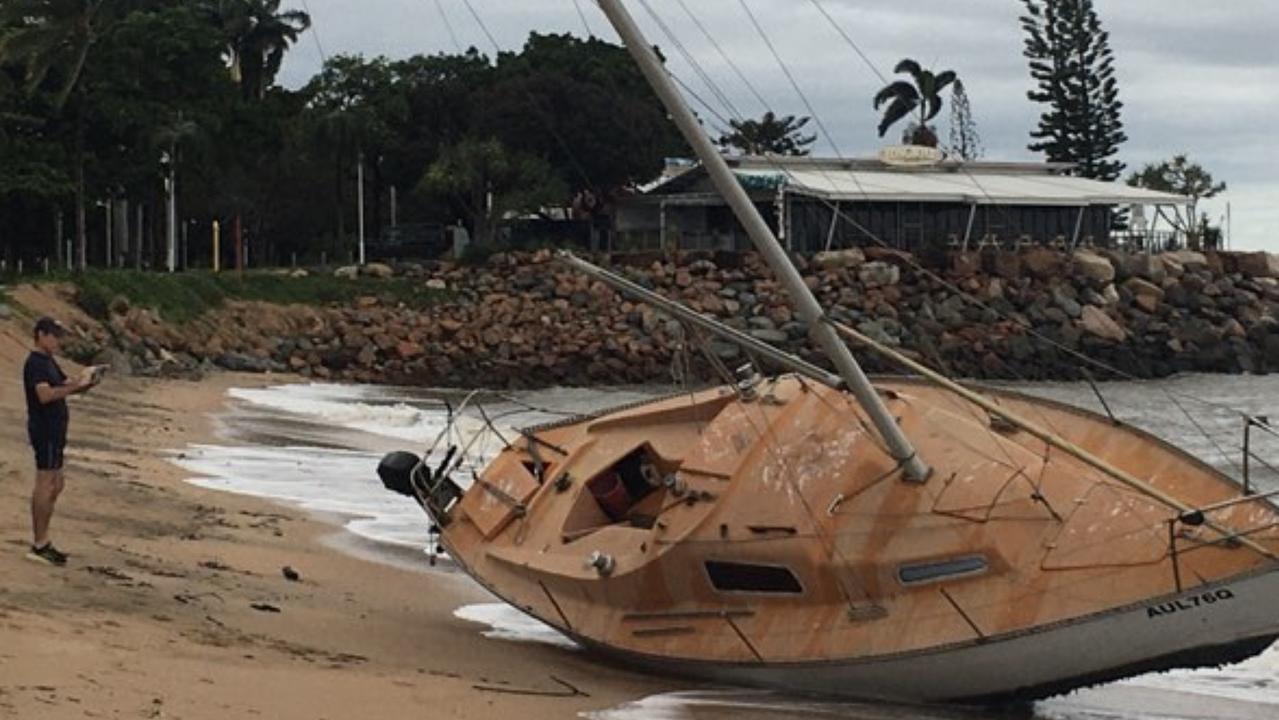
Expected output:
{"points": [[1209, 626]]}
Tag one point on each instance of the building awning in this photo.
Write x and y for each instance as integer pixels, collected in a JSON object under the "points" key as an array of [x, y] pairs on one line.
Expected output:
{"points": [[954, 186]]}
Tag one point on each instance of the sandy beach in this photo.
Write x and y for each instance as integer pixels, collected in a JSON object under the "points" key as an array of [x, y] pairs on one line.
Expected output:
{"points": [[174, 604]]}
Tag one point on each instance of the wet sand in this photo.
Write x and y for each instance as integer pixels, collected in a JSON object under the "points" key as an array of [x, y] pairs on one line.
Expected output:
{"points": [[174, 604]]}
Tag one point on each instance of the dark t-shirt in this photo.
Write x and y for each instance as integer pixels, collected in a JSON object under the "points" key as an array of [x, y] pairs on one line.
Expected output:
{"points": [[42, 418]]}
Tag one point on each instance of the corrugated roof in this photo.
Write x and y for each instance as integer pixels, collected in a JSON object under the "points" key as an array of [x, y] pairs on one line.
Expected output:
{"points": [[973, 183], [980, 188]]}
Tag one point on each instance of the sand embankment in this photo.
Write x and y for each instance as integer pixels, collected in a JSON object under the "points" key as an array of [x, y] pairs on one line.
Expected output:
{"points": [[155, 616]]}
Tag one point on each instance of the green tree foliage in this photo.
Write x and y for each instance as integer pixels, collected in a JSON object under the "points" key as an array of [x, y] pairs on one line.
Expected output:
{"points": [[923, 94], [1183, 177], [489, 181], [584, 107], [770, 135], [257, 35], [94, 93], [965, 140], [1073, 66]]}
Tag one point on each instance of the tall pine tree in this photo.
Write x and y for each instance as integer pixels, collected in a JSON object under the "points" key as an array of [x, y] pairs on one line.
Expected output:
{"points": [[1071, 60]]}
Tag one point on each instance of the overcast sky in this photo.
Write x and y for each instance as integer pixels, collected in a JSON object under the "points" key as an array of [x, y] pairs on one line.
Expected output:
{"points": [[1196, 76]]}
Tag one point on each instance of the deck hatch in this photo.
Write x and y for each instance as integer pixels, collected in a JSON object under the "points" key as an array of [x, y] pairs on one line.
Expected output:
{"points": [[919, 573], [743, 577]]}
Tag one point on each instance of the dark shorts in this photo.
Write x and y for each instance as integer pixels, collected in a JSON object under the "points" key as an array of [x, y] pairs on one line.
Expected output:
{"points": [[48, 445]]}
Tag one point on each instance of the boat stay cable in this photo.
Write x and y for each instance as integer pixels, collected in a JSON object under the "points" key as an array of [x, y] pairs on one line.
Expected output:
{"points": [[448, 26], [772, 160], [537, 108], [577, 5], [790, 77], [1097, 463], [771, 251], [1172, 395], [716, 91], [728, 60], [716, 166]]}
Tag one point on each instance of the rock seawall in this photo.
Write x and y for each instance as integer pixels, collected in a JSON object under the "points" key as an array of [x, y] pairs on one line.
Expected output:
{"points": [[526, 321]]}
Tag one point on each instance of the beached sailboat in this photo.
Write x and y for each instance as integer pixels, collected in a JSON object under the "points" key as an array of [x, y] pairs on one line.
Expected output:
{"points": [[909, 540]]}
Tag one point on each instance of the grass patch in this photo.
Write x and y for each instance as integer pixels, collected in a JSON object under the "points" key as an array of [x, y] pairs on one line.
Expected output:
{"points": [[183, 297]]}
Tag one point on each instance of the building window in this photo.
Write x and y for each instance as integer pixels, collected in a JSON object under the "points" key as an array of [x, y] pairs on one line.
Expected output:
{"points": [[741, 577], [920, 573]]}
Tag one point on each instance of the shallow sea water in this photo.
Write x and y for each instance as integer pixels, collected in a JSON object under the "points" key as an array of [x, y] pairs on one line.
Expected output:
{"points": [[317, 446]]}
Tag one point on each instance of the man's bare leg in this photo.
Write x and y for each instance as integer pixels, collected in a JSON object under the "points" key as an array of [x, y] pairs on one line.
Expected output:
{"points": [[44, 496]]}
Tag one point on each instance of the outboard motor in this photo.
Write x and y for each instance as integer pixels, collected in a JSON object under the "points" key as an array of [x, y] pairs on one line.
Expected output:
{"points": [[407, 474], [396, 471]]}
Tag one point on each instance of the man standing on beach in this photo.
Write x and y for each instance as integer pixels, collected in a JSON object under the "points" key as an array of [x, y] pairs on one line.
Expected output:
{"points": [[47, 390]]}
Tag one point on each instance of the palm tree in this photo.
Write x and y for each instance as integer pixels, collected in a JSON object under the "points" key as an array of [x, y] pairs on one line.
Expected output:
{"points": [[257, 36], [53, 38], [904, 98]]}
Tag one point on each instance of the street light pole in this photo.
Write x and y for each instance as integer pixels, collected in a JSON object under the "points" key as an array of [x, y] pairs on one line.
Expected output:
{"points": [[171, 256], [359, 180]]}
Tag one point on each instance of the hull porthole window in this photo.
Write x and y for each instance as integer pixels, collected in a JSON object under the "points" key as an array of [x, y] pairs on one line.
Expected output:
{"points": [[747, 578], [920, 573]]}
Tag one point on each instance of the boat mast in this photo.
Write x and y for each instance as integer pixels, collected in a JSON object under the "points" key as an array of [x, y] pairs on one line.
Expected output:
{"points": [[899, 446]]}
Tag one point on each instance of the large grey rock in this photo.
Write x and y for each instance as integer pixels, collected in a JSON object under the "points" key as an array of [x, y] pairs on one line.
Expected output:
{"points": [[1068, 304], [117, 360], [380, 271], [879, 274], [773, 337], [240, 362], [1140, 288], [1146, 267], [1095, 321], [878, 330], [839, 259], [725, 350], [1258, 264], [1097, 269], [5, 312], [350, 272], [1189, 260]]}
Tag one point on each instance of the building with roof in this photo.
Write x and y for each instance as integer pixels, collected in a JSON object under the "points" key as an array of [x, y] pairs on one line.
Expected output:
{"points": [[906, 200]]}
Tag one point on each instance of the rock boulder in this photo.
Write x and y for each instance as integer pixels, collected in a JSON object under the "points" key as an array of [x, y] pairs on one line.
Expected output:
{"points": [[840, 259], [1258, 264], [1095, 268], [1096, 322]]}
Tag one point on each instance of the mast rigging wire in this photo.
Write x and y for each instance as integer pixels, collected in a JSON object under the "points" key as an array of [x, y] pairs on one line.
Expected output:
{"points": [[448, 25], [719, 49], [1077, 355], [848, 39], [577, 4], [688, 57], [532, 100], [315, 34], [840, 214], [791, 77]]}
